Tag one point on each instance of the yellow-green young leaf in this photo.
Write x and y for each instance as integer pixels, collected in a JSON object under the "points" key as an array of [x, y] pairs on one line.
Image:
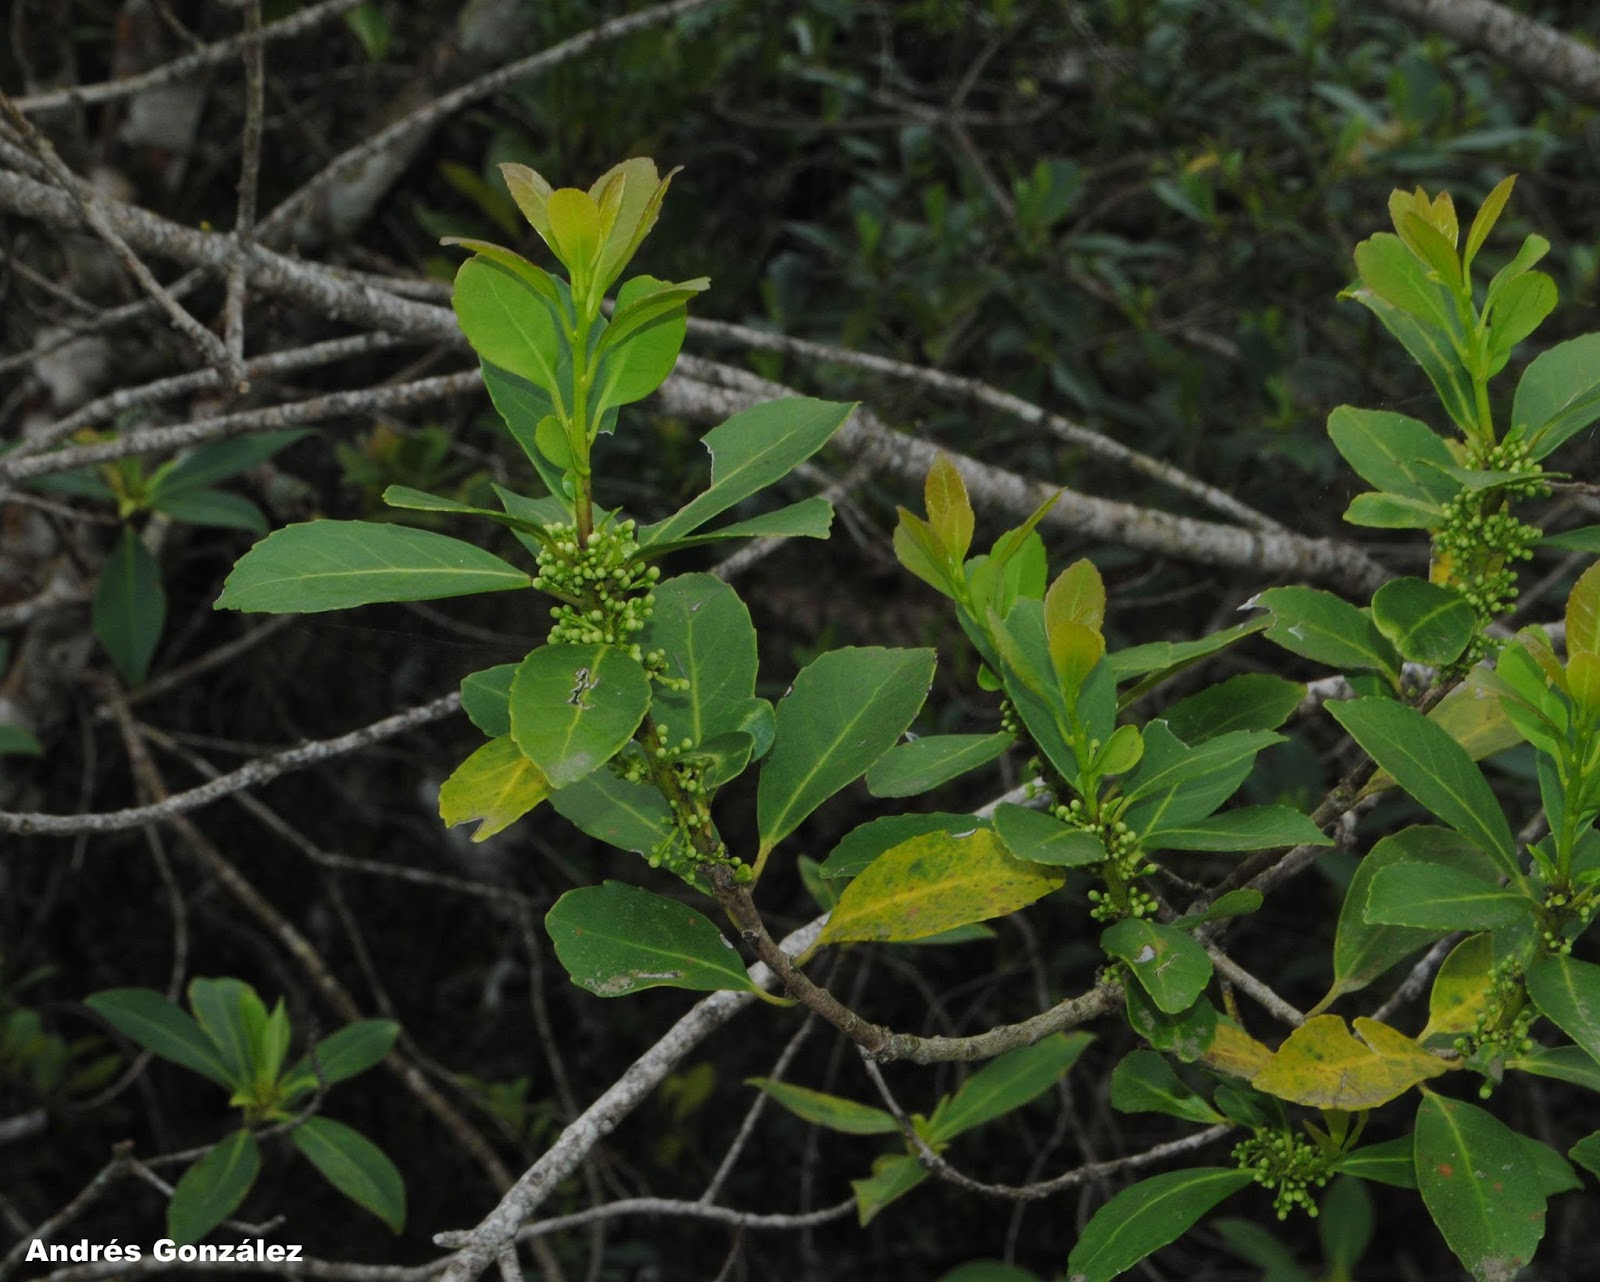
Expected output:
{"points": [[1077, 596], [496, 785], [575, 228], [1480, 1186], [1432, 246], [1074, 650], [1583, 680], [827, 1110], [532, 194], [632, 193], [935, 882], [1323, 1066], [1583, 613], [1488, 215], [949, 509], [1461, 988], [917, 547]]}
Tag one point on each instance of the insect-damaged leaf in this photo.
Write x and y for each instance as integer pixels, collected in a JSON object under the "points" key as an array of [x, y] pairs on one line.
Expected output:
{"points": [[615, 939], [573, 707]]}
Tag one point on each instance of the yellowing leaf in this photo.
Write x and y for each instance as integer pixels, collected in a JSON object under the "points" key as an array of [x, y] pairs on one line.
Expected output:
{"points": [[1461, 988], [575, 226], [496, 785], [935, 882], [949, 509], [1235, 1052], [1323, 1066], [1583, 680]]}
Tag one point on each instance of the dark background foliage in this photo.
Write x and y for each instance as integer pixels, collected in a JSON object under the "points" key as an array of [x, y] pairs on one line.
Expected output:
{"points": [[1137, 213]]}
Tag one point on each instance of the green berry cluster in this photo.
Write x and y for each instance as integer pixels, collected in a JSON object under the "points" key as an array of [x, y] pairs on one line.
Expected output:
{"points": [[693, 844], [605, 592], [1010, 722], [1289, 1166], [1124, 863]]}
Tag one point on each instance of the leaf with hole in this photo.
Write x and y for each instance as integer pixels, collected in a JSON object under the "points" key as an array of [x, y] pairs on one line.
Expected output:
{"points": [[573, 707], [495, 787]]}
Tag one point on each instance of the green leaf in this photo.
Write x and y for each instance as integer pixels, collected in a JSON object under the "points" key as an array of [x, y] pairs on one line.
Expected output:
{"points": [[909, 769], [749, 452], [573, 707], [1345, 1226], [1586, 1153], [1585, 538], [1559, 395], [1169, 964], [19, 741], [1248, 828], [1327, 629], [1391, 271], [1433, 350], [219, 460], [1007, 1083], [333, 565], [893, 1176], [1250, 701], [130, 607], [1162, 659], [1583, 613], [1232, 903], [1043, 839], [1145, 1083], [1364, 950], [808, 519], [340, 1056], [216, 508], [1563, 1063], [634, 366], [486, 699], [1555, 1172], [1257, 1246], [1434, 769], [495, 786], [1426, 623], [410, 500], [1176, 783], [862, 845], [1189, 1034], [1390, 452], [355, 1166], [828, 1111], [616, 939], [1441, 898], [629, 816], [1521, 308], [523, 406], [845, 710], [934, 883], [1479, 1186], [988, 1271], [1391, 1162], [1568, 994], [514, 324], [1146, 1217], [211, 1190], [230, 1013], [146, 1017], [705, 631], [1392, 512]]}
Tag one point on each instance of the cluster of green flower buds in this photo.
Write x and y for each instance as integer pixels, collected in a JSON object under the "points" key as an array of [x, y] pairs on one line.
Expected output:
{"points": [[1502, 1027], [1289, 1166], [1124, 863], [1562, 908], [605, 591]]}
